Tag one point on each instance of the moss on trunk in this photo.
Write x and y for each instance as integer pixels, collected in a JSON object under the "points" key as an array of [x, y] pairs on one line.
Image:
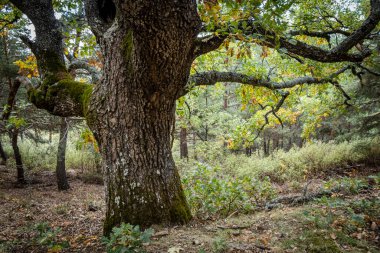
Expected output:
{"points": [[63, 97]]}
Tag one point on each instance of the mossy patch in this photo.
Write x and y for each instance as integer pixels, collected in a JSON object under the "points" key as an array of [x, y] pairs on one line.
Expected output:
{"points": [[180, 211], [314, 242], [78, 91], [48, 96], [128, 44]]}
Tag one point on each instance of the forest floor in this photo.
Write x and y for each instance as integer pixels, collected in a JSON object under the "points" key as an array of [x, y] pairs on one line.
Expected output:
{"points": [[39, 218]]}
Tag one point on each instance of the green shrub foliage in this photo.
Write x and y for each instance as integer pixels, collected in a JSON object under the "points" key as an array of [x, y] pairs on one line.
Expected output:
{"points": [[127, 239]]}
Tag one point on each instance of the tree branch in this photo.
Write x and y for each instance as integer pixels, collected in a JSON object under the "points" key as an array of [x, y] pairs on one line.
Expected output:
{"points": [[29, 43], [369, 70], [273, 111], [296, 47], [98, 25], [58, 93], [299, 48], [208, 44], [367, 26], [79, 64], [212, 77]]}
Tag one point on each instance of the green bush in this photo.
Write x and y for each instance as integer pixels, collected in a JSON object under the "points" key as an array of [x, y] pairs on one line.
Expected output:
{"points": [[219, 244], [48, 236], [346, 185], [213, 194], [127, 239]]}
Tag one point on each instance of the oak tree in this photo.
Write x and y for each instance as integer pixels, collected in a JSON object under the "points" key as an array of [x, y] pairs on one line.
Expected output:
{"points": [[148, 49]]}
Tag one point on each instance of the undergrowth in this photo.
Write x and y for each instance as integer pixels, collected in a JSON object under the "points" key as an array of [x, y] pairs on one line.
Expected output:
{"points": [[337, 225], [212, 194], [295, 165]]}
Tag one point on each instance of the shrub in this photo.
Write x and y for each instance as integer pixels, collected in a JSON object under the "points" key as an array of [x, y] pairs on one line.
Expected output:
{"points": [[127, 239], [213, 194], [346, 185], [48, 236], [219, 244]]}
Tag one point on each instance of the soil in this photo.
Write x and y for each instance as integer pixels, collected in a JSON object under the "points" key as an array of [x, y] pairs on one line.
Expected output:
{"points": [[78, 214]]}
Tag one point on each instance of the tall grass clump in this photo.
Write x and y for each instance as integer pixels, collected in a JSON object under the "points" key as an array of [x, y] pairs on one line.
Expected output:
{"points": [[297, 164], [310, 160]]}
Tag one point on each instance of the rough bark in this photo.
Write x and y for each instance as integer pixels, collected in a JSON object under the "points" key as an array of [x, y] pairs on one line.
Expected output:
{"points": [[148, 55], [62, 182], [17, 156]]}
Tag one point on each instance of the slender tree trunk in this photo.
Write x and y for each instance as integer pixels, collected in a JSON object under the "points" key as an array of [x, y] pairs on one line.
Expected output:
{"points": [[264, 145], [206, 127], [184, 153], [17, 156], [62, 182], [194, 147], [225, 97], [248, 151], [3, 155]]}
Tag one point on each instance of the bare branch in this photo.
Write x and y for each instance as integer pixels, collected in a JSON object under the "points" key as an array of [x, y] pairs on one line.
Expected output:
{"points": [[28, 42], [273, 111], [344, 93]]}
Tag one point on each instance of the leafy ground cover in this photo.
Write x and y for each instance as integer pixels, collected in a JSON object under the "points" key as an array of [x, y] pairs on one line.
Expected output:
{"points": [[38, 218]]}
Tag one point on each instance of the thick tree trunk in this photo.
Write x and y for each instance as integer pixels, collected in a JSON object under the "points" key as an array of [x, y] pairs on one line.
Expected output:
{"points": [[62, 182], [148, 48], [132, 112], [17, 156], [184, 153]]}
